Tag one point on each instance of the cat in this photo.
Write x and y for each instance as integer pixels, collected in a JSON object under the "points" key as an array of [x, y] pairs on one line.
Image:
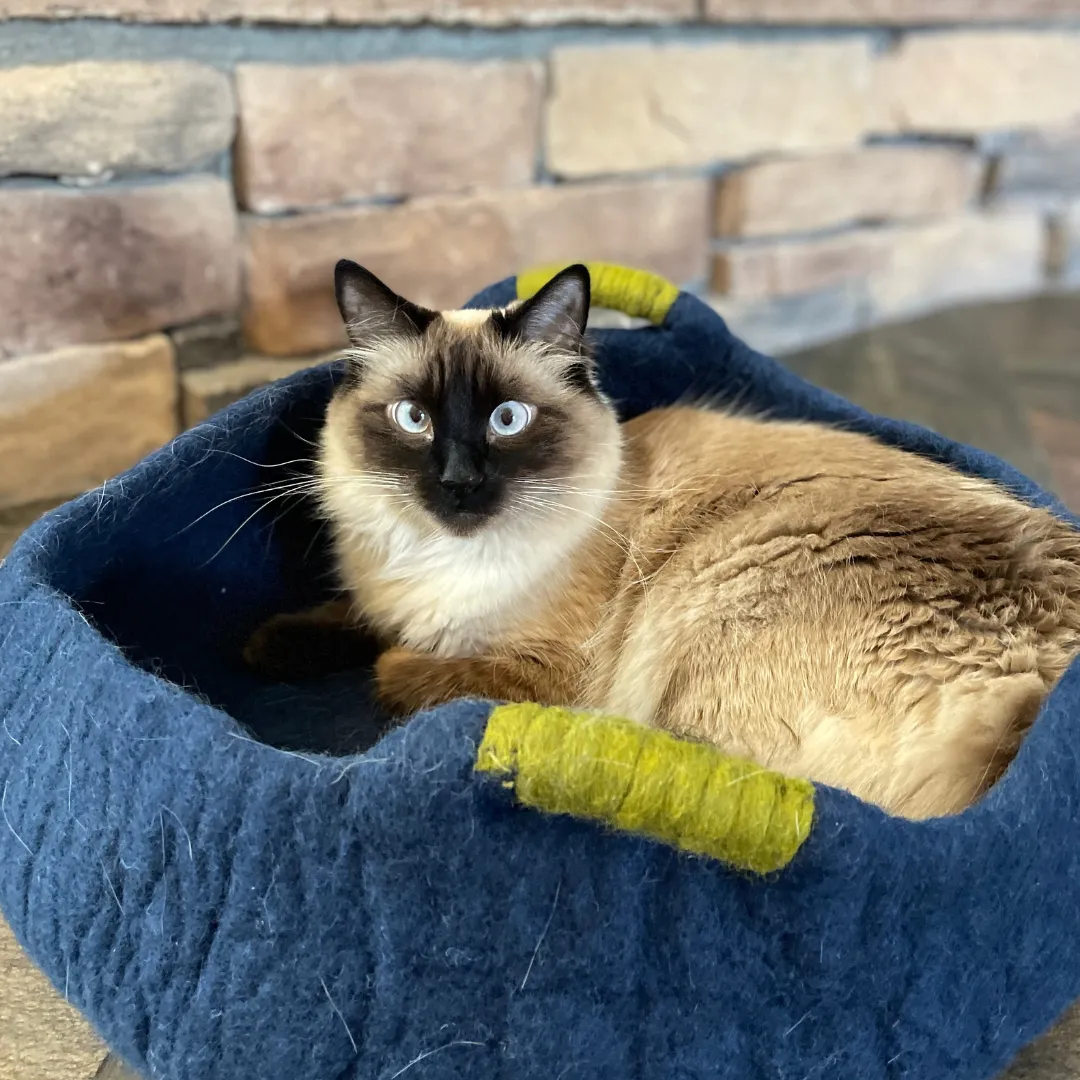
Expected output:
{"points": [[806, 597]]}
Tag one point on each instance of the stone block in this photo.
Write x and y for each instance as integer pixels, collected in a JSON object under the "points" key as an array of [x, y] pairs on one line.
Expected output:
{"points": [[974, 81], [629, 108], [71, 418], [113, 263], [972, 257], [41, 1035], [878, 183], [357, 12], [757, 270], [1040, 165], [781, 325], [315, 136], [1071, 269], [1064, 257], [203, 391], [98, 119], [208, 342], [848, 12]]}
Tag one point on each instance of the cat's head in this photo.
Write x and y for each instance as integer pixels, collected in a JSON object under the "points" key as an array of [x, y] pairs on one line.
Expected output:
{"points": [[463, 421]]}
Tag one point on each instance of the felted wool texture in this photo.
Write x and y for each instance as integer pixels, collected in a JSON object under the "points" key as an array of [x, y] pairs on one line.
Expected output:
{"points": [[224, 909]]}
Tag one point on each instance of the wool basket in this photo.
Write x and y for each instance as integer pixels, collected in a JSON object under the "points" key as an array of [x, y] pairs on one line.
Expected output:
{"points": [[242, 881]]}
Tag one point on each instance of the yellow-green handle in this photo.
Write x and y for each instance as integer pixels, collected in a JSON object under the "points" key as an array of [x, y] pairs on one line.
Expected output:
{"points": [[644, 781], [617, 288]]}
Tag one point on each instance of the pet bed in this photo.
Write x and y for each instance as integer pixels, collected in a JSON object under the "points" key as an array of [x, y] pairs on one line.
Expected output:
{"points": [[501, 893]]}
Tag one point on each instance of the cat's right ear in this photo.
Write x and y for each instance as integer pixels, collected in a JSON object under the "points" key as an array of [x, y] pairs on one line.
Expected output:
{"points": [[372, 310]]}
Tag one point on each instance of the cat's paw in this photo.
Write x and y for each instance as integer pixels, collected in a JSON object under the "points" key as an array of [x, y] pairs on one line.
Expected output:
{"points": [[295, 647]]}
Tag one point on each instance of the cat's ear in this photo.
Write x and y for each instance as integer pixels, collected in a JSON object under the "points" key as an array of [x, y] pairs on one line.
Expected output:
{"points": [[371, 309], [557, 314]]}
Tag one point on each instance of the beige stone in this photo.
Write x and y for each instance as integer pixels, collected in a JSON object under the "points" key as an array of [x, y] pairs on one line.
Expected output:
{"points": [[1057, 246], [42, 1037], [656, 225], [976, 81], [824, 191], [753, 271], [635, 107], [886, 11], [976, 256], [100, 118], [482, 12], [312, 136], [112, 263], [72, 418], [440, 251], [203, 391]]}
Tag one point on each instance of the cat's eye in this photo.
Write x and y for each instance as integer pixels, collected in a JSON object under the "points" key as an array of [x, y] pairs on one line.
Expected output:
{"points": [[410, 417], [511, 418]]}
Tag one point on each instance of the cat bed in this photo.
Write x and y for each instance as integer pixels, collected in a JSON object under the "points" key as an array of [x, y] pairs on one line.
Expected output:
{"points": [[486, 891]]}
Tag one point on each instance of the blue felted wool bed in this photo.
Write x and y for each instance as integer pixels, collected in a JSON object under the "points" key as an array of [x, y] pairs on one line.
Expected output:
{"points": [[238, 881]]}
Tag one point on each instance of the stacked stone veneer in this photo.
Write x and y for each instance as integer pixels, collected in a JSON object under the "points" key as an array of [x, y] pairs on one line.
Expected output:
{"points": [[179, 177]]}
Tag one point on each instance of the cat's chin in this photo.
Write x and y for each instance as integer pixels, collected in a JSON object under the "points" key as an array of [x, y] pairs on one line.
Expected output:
{"points": [[464, 523]]}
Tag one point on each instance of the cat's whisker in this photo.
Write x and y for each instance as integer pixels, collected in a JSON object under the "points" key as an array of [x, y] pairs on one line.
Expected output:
{"points": [[562, 484], [262, 464], [619, 496], [285, 487], [277, 491], [300, 438], [548, 504], [232, 536], [626, 545]]}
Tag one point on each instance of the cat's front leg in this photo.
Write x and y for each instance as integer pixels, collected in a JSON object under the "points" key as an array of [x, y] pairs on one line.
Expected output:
{"points": [[310, 644], [407, 681]]}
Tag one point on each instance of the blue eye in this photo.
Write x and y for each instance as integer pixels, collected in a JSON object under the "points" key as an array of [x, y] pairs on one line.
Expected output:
{"points": [[511, 418], [409, 417]]}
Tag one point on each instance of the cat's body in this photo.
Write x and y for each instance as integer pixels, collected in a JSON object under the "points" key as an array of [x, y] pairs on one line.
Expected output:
{"points": [[805, 597]]}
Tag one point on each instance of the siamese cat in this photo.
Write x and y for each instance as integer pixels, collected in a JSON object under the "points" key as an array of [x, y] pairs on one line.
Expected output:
{"points": [[805, 597]]}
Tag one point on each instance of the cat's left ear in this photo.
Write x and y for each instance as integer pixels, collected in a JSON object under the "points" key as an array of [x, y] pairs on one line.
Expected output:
{"points": [[372, 309], [557, 314]]}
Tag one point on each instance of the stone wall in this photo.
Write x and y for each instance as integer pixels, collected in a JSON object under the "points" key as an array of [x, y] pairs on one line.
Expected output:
{"points": [[177, 178]]}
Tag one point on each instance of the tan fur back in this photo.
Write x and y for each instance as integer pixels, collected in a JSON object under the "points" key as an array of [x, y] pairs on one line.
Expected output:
{"points": [[835, 608]]}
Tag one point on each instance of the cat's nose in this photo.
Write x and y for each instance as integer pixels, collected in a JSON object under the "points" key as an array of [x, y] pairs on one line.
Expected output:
{"points": [[459, 472]]}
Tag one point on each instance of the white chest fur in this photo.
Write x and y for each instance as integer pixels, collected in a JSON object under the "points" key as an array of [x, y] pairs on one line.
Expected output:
{"points": [[456, 596]]}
